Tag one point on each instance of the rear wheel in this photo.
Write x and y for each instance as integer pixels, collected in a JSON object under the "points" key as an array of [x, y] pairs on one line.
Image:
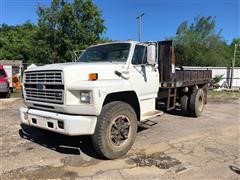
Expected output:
{"points": [[184, 101], [205, 90], [196, 103], [115, 131]]}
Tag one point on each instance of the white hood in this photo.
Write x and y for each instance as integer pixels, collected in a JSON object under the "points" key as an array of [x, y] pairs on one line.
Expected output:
{"points": [[80, 70]]}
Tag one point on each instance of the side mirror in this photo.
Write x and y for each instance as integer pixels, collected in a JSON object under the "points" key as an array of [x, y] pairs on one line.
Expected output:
{"points": [[151, 54]]}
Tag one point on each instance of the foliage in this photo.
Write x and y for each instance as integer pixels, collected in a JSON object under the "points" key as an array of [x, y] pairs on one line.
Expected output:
{"points": [[198, 44], [217, 78], [65, 27], [62, 28], [16, 41]]}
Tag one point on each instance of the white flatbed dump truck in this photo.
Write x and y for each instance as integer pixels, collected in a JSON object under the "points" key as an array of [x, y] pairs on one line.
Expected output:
{"points": [[108, 90]]}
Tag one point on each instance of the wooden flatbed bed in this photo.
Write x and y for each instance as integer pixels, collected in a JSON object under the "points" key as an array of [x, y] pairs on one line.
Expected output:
{"points": [[174, 82], [192, 77]]}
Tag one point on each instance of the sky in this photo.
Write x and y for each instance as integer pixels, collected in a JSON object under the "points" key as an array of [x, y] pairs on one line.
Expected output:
{"points": [[161, 18]]}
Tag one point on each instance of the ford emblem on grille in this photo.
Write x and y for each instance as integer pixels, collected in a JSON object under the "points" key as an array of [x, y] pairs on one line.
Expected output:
{"points": [[57, 94], [41, 86]]}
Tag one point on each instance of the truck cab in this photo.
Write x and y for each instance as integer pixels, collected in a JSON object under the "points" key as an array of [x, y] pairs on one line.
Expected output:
{"points": [[106, 92]]}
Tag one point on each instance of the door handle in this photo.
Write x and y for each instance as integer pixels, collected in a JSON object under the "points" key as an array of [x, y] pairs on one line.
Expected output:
{"points": [[123, 74]]}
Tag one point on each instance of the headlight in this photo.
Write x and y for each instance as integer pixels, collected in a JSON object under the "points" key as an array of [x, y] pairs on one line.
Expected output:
{"points": [[85, 96]]}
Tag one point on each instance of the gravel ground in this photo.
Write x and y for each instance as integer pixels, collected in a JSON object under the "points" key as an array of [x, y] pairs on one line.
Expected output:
{"points": [[167, 147]]}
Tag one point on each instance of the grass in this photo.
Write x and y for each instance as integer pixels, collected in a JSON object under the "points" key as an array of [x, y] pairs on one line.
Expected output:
{"points": [[223, 94]]}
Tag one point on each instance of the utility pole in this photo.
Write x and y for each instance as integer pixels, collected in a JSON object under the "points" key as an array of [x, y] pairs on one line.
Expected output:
{"points": [[140, 26], [233, 64]]}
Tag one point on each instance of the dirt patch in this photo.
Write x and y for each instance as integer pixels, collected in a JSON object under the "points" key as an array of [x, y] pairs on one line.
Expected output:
{"points": [[78, 161], [193, 148], [159, 159], [39, 172]]}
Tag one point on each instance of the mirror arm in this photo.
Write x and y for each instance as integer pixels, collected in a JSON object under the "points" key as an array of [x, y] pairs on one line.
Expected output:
{"points": [[144, 52]]}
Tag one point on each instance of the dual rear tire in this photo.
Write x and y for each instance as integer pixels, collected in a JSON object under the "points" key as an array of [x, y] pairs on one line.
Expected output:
{"points": [[193, 105]]}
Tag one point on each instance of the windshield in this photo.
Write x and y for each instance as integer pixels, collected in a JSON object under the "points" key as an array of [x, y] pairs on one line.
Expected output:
{"points": [[117, 52], [2, 73]]}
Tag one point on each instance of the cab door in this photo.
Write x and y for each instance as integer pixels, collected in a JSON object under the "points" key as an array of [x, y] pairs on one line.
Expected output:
{"points": [[144, 77]]}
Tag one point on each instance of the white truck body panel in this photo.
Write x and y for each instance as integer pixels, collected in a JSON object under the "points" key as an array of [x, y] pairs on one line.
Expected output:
{"points": [[142, 80], [73, 124]]}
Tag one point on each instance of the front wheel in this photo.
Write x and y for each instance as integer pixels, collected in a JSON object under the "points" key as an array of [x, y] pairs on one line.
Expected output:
{"points": [[115, 131]]}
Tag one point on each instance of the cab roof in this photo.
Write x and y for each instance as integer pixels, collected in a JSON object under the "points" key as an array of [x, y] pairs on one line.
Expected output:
{"points": [[115, 42]]}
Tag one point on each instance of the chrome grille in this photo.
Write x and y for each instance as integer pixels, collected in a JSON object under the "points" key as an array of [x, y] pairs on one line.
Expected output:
{"points": [[46, 77], [44, 86]]}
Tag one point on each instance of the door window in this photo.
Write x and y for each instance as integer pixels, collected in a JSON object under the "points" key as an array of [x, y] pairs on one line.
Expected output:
{"points": [[139, 55]]}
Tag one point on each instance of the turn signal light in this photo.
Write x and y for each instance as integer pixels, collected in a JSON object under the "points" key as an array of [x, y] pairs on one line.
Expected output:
{"points": [[92, 76]]}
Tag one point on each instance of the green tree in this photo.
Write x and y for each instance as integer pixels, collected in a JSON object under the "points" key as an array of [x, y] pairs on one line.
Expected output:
{"points": [[198, 44], [16, 41], [65, 27]]}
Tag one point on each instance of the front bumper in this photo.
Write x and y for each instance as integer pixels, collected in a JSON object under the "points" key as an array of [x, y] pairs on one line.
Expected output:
{"points": [[61, 123], [3, 89]]}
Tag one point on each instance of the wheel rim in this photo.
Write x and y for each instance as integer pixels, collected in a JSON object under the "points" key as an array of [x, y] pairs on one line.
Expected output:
{"points": [[119, 130], [200, 103]]}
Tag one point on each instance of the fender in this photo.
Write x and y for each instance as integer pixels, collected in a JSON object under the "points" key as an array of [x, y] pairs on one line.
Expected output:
{"points": [[101, 89]]}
